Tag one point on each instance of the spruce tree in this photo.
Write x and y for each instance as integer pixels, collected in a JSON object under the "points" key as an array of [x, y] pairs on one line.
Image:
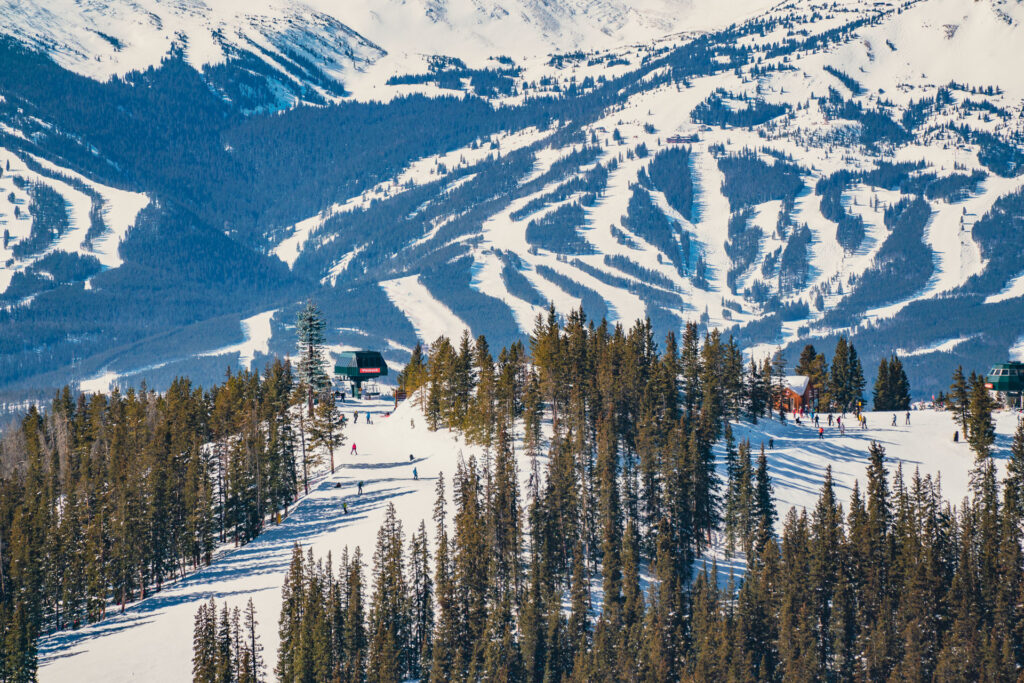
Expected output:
{"points": [[309, 327], [959, 398], [883, 393], [980, 428], [325, 428]]}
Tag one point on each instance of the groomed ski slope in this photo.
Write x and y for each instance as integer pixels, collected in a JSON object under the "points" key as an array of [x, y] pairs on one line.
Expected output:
{"points": [[152, 640]]}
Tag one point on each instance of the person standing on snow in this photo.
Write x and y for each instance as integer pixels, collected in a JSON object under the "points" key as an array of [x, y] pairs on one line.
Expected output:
{"points": [[821, 432], [354, 451], [894, 419], [415, 474]]}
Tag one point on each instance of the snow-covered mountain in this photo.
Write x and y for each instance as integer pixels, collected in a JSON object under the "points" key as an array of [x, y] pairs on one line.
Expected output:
{"points": [[106, 38], [788, 172]]}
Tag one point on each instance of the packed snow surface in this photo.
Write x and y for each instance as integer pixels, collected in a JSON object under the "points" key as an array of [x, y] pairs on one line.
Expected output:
{"points": [[152, 640]]}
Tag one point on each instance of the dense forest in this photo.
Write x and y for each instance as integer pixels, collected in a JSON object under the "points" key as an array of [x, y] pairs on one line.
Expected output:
{"points": [[590, 574], [104, 499]]}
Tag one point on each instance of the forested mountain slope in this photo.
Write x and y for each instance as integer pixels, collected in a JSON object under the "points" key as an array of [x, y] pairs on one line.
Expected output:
{"points": [[809, 170]]}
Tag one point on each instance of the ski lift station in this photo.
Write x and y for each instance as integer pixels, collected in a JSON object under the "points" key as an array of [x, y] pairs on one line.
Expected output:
{"points": [[360, 366], [1007, 381]]}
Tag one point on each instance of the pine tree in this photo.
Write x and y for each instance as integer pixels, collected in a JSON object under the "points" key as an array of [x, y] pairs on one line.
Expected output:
{"points": [[764, 504], [204, 658], [900, 384], [309, 327], [839, 381], [390, 652], [414, 374], [422, 604], [325, 429], [981, 430], [959, 397], [883, 393]]}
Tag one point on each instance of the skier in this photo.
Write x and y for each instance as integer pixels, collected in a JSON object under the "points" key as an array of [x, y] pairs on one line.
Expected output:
{"points": [[410, 457], [821, 432], [830, 419], [816, 424], [956, 436], [908, 417], [354, 451], [360, 488], [771, 444], [344, 508], [864, 421], [355, 417], [894, 419], [415, 474]]}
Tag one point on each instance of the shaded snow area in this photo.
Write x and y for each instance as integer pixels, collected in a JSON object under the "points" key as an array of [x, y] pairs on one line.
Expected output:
{"points": [[257, 333], [428, 316], [152, 640], [116, 208]]}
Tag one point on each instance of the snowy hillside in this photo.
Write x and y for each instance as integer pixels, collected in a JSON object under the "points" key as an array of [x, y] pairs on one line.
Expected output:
{"points": [[786, 172], [152, 640], [105, 38]]}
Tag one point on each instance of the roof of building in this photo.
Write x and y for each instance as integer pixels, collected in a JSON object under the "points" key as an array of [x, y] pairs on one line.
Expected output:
{"points": [[798, 384]]}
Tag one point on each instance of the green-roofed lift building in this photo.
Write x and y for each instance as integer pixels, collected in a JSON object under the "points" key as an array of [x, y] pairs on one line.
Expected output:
{"points": [[360, 366]]}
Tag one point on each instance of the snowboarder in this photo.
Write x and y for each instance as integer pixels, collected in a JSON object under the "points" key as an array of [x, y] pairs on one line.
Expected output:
{"points": [[415, 474], [821, 432], [360, 488], [354, 451]]}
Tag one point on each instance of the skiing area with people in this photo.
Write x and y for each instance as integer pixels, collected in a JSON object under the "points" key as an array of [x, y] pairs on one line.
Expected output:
{"points": [[391, 458]]}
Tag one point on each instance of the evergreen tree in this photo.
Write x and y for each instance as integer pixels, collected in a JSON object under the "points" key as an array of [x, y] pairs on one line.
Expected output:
{"points": [[325, 428], [309, 327], [883, 393], [959, 397], [980, 428]]}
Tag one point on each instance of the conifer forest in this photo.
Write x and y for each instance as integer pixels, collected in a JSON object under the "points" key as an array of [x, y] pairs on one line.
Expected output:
{"points": [[593, 571]]}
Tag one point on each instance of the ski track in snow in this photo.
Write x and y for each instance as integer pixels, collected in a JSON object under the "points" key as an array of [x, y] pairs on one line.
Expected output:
{"points": [[428, 316], [257, 331], [152, 640]]}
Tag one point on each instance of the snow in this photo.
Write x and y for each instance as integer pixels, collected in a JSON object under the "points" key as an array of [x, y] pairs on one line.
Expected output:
{"points": [[152, 640], [99, 383], [944, 346], [486, 279], [359, 41], [119, 209], [257, 331], [429, 317], [1013, 289]]}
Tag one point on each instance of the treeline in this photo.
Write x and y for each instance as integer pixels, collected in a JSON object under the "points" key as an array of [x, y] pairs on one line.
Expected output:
{"points": [[899, 585], [105, 498], [227, 649]]}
